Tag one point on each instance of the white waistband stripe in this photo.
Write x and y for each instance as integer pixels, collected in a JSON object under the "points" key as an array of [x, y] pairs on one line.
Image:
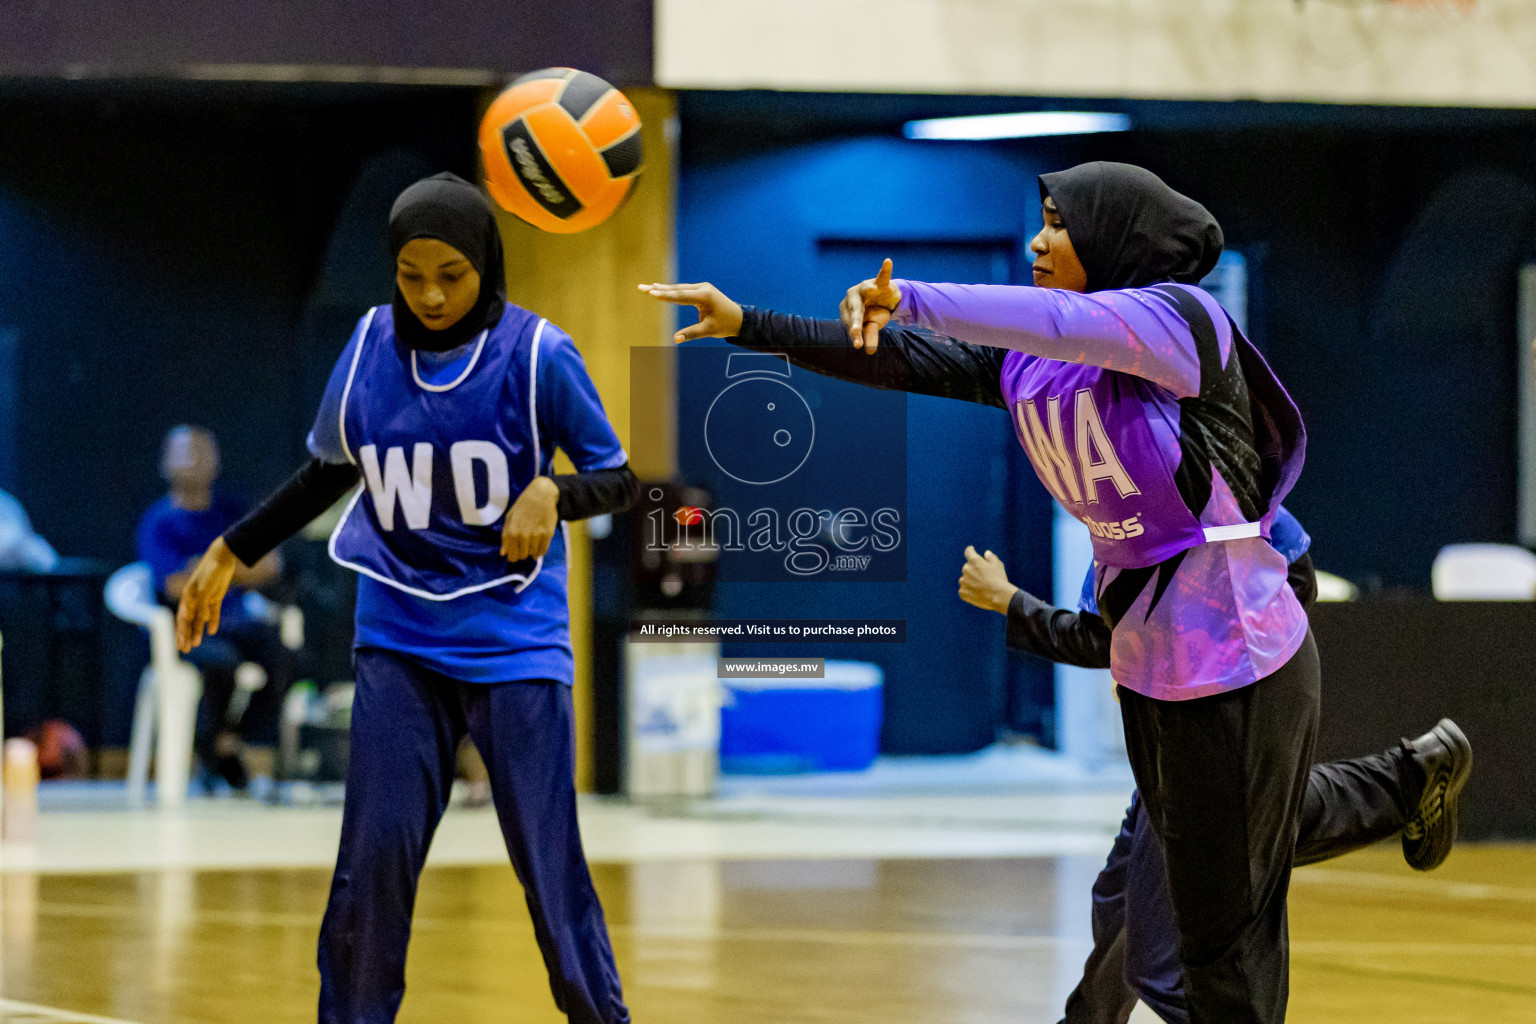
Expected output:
{"points": [[1238, 532]]}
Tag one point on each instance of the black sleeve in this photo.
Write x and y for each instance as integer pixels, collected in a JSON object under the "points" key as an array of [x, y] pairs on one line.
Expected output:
{"points": [[583, 495], [317, 485], [1055, 634], [1303, 580], [309, 492], [919, 363]]}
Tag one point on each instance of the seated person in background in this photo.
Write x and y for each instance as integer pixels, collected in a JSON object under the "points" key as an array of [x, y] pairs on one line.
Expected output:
{"points": [[172, 536]]}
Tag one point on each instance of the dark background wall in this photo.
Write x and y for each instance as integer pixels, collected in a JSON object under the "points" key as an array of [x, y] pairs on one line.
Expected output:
{"points": [[1393, 667], [157, 259], [187, 257], [790, 228]]}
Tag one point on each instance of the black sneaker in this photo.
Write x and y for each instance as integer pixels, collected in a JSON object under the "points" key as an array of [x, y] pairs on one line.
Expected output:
{"points": [[1445, 757]]}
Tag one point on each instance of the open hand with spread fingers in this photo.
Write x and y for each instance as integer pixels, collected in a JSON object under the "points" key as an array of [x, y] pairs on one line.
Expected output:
{"points": [[868, 306], [719, 315]]}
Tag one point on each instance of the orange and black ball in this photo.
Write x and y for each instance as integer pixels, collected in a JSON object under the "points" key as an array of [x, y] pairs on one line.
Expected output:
{"points": [[561, 149]]}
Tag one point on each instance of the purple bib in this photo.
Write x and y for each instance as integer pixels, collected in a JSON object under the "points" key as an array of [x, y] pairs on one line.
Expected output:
{"points": [[1106, 445]]}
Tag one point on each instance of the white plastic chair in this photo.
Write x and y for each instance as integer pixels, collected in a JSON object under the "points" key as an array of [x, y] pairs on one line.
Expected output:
{"points": [[288, 620], [1335, 588], [169, 689], [1484, 572]]}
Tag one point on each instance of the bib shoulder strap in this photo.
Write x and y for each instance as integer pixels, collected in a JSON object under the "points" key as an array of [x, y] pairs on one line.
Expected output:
{"points": [[346, 391]]}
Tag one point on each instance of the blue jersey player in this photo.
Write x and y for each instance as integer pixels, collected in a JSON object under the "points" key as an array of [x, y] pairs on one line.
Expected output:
{"points": [[448, 405]]}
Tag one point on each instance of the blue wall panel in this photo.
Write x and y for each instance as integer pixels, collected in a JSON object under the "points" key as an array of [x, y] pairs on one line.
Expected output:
{"points": [[790, 229]]}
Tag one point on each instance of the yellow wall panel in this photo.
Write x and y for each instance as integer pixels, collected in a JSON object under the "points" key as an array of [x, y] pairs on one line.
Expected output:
{"points": [[585, 283]]}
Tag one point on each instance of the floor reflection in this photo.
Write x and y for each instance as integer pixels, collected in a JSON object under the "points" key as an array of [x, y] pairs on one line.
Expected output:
{"points": [[749, 942]]}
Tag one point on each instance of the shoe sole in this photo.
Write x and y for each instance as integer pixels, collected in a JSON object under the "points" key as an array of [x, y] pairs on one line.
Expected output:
{"points": [[1427, 850]]}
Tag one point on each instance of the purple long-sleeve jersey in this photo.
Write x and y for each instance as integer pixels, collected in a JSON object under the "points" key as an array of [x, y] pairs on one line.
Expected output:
{"points": [[1149, 416]]}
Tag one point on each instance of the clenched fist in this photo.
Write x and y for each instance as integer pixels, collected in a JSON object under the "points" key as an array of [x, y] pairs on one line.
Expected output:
{"points": [[984, 582]]}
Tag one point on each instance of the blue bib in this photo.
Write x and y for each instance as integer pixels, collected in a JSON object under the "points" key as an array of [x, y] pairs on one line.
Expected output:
{"points": [[442, 459]]}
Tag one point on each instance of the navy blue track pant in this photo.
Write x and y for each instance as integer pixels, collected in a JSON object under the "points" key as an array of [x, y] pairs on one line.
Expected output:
{"points": [[1348, 805], [407, 722]]}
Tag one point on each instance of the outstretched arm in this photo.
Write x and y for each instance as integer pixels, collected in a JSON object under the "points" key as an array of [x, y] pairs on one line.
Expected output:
{"points": [[310, 491], [910, 361], [1136, 331], [251, 542], [1057, 634], [1034, 627]]}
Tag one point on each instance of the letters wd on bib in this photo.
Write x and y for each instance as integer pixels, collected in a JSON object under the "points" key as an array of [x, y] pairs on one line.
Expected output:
{"points": [[446, 441]]}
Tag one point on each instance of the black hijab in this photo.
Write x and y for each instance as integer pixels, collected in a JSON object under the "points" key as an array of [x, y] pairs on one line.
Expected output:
{"points": [[451, 210], [1129, 229]]}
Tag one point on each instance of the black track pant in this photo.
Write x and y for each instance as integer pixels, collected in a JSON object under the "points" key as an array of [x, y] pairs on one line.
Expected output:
{"points": [[1349, 805], [1223, 779]]}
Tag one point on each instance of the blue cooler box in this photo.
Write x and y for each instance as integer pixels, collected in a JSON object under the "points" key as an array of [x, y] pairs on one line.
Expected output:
{"points": [[780, 726]]}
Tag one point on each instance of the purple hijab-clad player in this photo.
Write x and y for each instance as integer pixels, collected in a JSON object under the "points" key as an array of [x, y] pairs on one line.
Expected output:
{"points": [[1149, 416], [1151, 419], [1348, 804]]}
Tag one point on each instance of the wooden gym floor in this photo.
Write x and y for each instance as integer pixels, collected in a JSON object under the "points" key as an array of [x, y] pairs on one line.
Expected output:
{"points": [[756, 942]]}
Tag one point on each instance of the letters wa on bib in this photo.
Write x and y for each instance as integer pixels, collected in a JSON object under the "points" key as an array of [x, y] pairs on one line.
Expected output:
{"points": [[1151, 419]]}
